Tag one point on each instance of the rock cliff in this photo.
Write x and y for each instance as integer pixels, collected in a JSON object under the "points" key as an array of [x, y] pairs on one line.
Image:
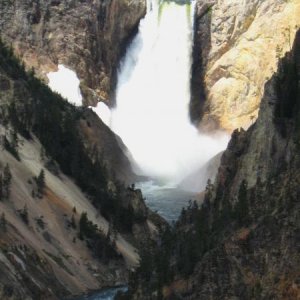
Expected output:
{"points": [[256, 198], [87, 36], [236, 49], [65, 217], [243, 242]]}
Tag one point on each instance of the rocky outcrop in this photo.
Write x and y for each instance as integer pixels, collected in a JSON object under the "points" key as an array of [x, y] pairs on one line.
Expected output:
{"points": [[87, 36], [236, 49], [67, 231], [258, 188], [243, 243], [110, 148]]}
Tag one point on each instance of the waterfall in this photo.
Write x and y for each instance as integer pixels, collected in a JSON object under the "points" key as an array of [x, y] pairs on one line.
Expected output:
{"points": [[153, 94]]}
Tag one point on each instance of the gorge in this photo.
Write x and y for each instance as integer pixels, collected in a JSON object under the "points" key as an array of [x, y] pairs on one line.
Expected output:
{"points": [[155, 89], [151, 114], [153, 95]]}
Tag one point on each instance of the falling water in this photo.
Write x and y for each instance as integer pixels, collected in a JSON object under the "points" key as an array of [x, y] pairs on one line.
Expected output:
{"points": [[152, 107], [153, 95]]}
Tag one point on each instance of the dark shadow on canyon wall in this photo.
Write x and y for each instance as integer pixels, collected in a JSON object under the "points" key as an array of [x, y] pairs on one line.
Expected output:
{"points": [[201, 48]]}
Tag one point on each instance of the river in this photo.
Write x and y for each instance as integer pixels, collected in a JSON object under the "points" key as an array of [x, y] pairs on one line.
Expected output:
{"points": [[152, 111], [106, 294], [152, 106]]}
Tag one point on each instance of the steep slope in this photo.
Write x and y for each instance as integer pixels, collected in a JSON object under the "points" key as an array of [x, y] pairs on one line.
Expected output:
{"points": [[55, 237], [243, 243], [45, 259], [87, 36], [236, 49], [256, 255]]}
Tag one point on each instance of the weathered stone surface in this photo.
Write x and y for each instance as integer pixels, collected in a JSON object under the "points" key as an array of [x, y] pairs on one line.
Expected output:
{"points": [[260, 259], [87, 36], [248, 226], [237, 45], [47, 257]]}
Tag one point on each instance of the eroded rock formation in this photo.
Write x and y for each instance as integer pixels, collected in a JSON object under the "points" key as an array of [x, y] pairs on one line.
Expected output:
{"points": [[237, 46], [259, 257], [243, 242], [87, 36], [68, 232]]}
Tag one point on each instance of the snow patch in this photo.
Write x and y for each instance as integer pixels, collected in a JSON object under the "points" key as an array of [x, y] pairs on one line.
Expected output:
{"points": [[66, 83]]}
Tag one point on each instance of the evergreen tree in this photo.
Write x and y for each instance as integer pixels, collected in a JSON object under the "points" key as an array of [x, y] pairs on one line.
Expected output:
{"points": [[73, 222], [41, 183], [241, 208], [1, 187], [14, 141], [40, 222], [82, 224], [42, 154], [11, 147], [3, 223], [6, 182], [24, 214], [86, 227]]}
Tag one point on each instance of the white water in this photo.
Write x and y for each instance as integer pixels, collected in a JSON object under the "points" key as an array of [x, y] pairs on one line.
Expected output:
{"points": [[153, 95]]}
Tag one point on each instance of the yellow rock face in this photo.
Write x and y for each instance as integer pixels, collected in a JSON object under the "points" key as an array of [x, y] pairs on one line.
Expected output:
{"points": [[247, 39]]}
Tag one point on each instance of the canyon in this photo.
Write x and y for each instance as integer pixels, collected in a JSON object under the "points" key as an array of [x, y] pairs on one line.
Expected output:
{"points": [[229, 64], [243, 241], [78, 228]]}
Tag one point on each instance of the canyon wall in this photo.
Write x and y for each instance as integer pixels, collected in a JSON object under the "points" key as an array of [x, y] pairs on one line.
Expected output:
{"points": [[87, 36], [66, 216], [243, 241], [236, 49], [253, 209]]}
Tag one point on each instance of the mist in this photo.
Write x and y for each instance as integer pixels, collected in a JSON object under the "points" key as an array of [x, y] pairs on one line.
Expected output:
{"points": [[152, 99], [153, 95]]}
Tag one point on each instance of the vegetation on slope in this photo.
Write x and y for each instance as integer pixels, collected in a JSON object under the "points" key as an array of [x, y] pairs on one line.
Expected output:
{"points": [[35, 109], [243, 241]]}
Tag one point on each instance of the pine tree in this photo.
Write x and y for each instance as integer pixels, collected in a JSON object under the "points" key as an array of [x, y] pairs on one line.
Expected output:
{"points": [[40, 181], [1, 187], [73, 222], [83, 225], [3, 223], [14, 141], [42, 154], [6, 182], [241, 208], [11, 146], [24, 214]]}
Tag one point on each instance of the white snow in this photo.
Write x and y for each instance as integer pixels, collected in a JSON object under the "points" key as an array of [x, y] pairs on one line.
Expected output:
{"points": [[66, 83]]}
